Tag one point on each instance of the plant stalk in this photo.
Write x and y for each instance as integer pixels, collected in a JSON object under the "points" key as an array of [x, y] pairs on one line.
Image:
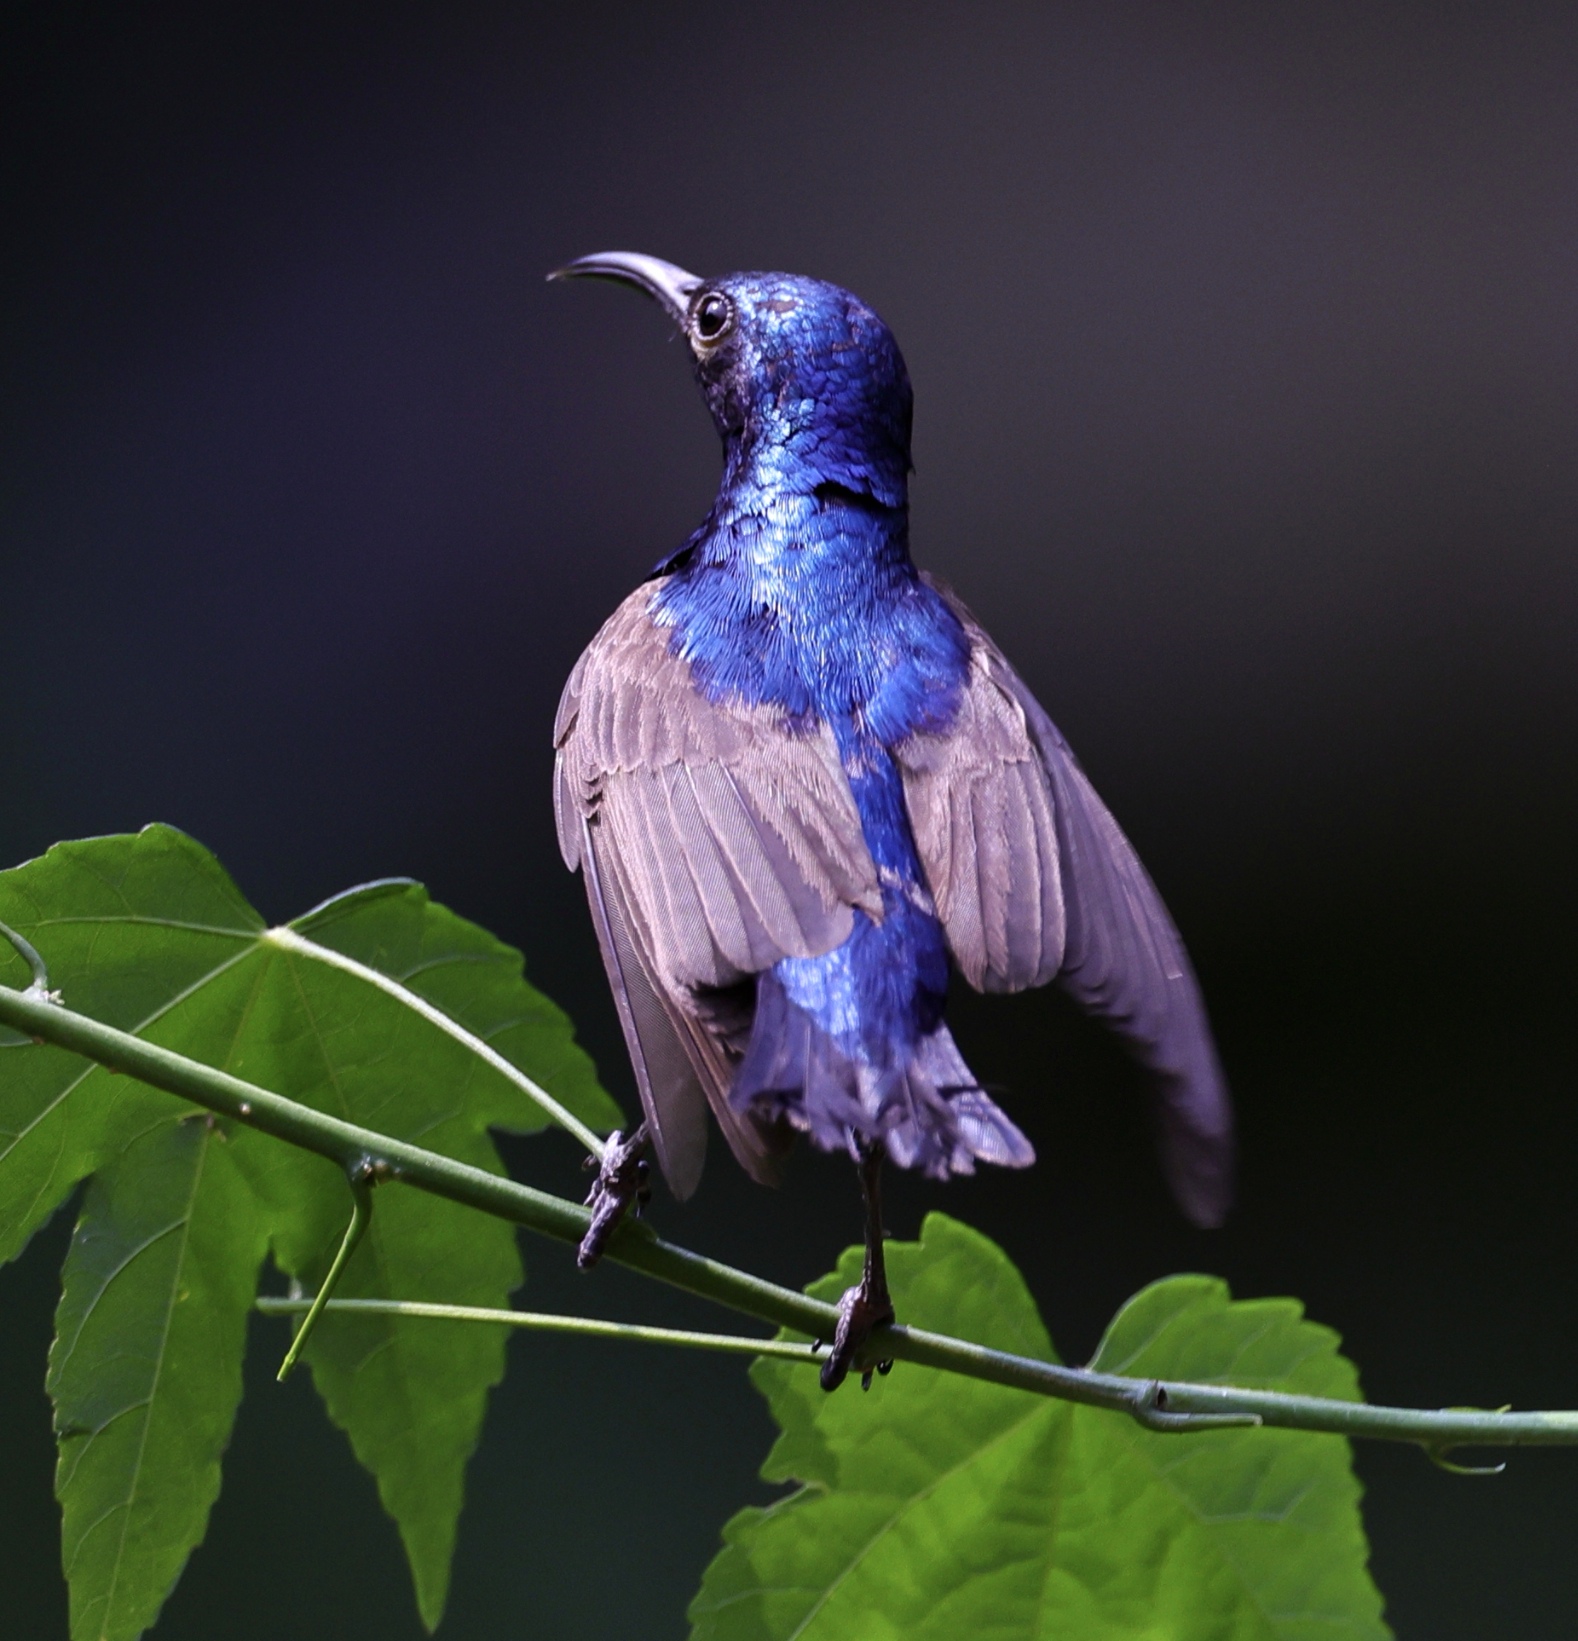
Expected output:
{"points": [[1161, 1405]]}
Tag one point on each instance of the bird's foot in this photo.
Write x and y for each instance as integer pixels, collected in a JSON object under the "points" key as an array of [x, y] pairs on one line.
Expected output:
{"points": [[861, 1312], [621, 1180]]}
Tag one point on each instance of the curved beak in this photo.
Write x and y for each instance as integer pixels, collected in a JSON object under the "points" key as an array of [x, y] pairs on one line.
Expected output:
{"points": [[671, 286]]}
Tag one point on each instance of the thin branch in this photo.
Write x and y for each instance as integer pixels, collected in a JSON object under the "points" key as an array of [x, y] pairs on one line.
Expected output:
{"points": [[1160, 1405], [347, 1144], [591, 1327]]}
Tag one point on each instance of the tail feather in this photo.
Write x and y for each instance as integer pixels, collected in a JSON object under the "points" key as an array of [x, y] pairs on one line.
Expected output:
{"points": [[929, 1111]]}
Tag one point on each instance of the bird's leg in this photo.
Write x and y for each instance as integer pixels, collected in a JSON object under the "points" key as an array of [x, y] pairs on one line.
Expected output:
{"points": [[865, 1308], [621, 1180]]}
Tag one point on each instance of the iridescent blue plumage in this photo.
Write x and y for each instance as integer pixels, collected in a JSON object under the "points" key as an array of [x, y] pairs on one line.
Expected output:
{"points": [[799, 593], [803, 784]]}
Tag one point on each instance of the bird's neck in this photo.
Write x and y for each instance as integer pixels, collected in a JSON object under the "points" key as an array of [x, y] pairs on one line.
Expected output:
{"points": [[801, 547], [791, 444], [800, 513]]}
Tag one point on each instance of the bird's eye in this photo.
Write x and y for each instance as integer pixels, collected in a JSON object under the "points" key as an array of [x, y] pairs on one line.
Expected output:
{"points": [[714, 314]]}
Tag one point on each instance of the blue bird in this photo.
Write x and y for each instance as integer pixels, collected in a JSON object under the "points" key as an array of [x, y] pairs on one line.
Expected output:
{"points": [[802, 784]]}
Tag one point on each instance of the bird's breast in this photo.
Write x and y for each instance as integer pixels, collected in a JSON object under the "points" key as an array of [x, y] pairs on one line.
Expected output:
{"points": [[822, 618]]}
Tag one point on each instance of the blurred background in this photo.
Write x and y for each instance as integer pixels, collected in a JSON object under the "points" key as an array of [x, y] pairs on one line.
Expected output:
{"points": [[1246, 370]]}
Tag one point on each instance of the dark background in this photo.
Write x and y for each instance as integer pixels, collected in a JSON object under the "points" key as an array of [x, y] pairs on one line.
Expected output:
{"points": [[1246, 369]]}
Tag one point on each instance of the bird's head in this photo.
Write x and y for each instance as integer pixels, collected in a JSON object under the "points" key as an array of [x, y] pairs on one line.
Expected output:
{"points": [[805, 382]]}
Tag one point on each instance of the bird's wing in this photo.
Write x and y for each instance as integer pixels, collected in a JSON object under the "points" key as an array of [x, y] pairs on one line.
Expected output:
{"points": [[1034, 881], [681, 1067], [715, 840]]}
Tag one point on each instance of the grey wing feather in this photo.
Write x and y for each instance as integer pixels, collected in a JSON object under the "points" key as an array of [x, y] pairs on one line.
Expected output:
{"points": [[1043, 884], [715, 840], [672, 1096], [985, 823]]}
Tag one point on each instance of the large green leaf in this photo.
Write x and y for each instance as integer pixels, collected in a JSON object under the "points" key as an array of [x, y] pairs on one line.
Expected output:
{"points": [[939, 1507], [148, 933], [146, 1369]]}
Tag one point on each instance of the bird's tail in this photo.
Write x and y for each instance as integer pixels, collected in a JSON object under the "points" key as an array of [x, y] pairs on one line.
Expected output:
{"points": [[929, 1111]]}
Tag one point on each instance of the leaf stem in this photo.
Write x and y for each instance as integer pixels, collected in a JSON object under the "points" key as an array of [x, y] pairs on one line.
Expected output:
{"points": [[29, 955], [547, 1322], [1161, 1405], [286, 939], [361, 1183]]}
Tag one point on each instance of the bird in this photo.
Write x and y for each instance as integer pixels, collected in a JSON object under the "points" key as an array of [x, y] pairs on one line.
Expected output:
{"points": [[803, 786]]}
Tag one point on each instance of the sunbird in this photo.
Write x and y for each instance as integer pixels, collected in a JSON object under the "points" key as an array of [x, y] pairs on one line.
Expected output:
{"points": [[802, 785]]}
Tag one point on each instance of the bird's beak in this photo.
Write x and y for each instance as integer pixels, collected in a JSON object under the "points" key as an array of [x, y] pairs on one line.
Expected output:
{"points": [[671, 286]]}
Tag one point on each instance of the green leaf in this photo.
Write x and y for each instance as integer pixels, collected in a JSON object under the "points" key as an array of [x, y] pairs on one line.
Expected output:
{"points": [[148, 933], [410, 1394], [938, 1507], [129, 926], [475, 979], [146, 1369]]}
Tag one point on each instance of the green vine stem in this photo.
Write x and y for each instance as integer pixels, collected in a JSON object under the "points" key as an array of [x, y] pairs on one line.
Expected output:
{"points": [[1170, 1405]]}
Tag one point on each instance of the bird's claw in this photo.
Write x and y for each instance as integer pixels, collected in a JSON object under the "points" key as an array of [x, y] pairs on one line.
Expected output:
{"points": [[861, 1312], [621, 1180]]}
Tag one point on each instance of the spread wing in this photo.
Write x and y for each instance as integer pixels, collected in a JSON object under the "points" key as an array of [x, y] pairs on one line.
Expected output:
{"points": [[1034, 881], [715, 839]]}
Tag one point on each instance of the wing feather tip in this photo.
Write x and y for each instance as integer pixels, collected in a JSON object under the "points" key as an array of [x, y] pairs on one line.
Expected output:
{"points": [[1199, 1148]]}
